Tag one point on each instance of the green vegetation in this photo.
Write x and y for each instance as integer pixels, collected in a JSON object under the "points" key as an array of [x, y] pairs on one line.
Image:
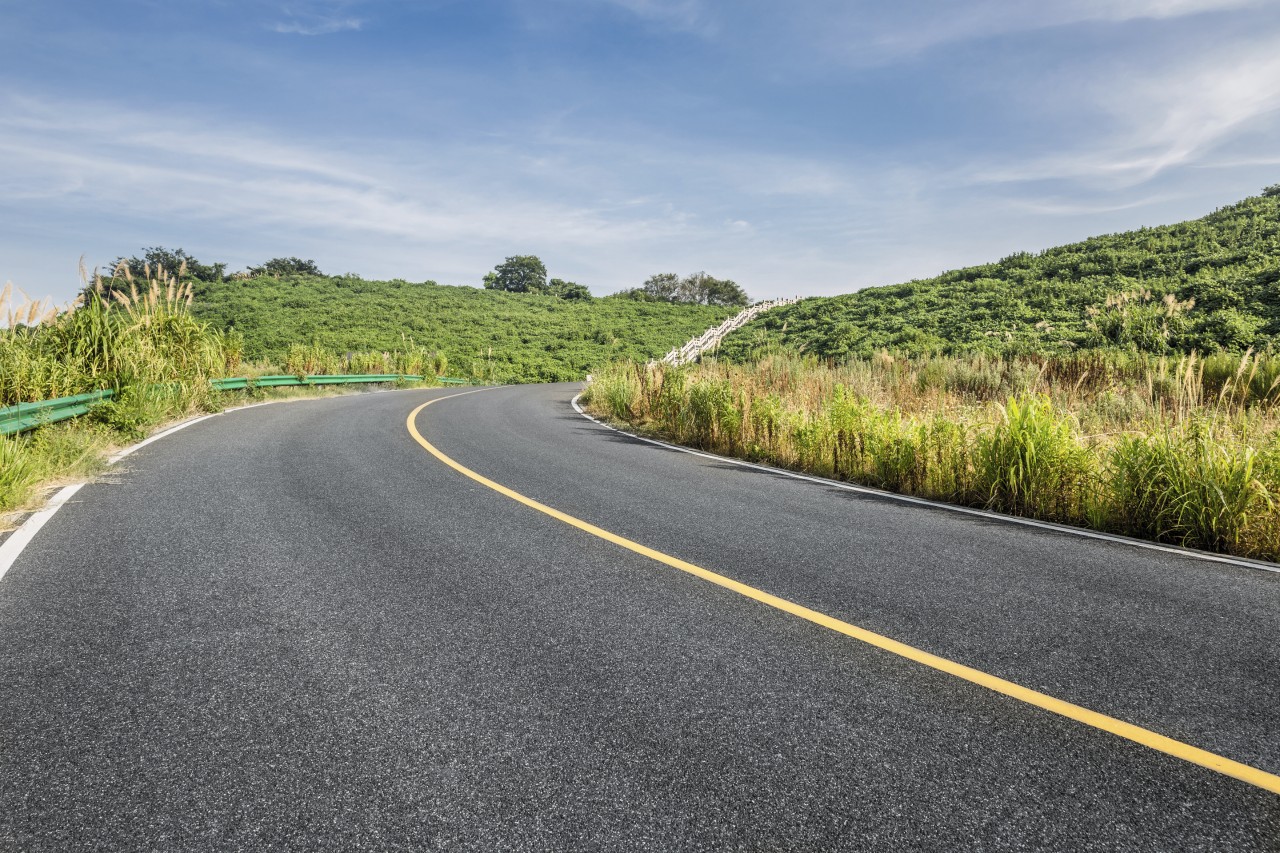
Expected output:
{"points": [[117, 336], [696, 289], [50, 454], [285, 266], [487, 335], [527, 274], [156, 339], [518, 274], [568, 289], [143, 344], [139, 339], [1092, 384], [1181, 450], [522, 327], [160, 258], [1208, 285]]}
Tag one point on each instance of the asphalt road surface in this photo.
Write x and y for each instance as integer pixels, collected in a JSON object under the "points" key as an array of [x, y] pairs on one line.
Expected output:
{"points": [[291, 627]]}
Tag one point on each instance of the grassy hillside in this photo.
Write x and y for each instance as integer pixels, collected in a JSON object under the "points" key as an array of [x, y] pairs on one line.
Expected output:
{"points": [[484, 334], [1206, 285]]}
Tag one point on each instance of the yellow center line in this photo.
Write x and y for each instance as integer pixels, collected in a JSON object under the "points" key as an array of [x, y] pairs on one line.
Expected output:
{"points": [[1120, 728]]}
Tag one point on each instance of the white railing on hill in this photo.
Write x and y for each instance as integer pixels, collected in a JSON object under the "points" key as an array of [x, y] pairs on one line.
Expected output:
{"points": [[711, 338]]}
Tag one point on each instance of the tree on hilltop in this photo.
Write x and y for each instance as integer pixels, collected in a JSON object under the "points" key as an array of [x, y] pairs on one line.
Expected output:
{"points": [[519, 274], [568, 289], [171, 261], [709, 290], [286, 266], [663, 287], [697, 288]]}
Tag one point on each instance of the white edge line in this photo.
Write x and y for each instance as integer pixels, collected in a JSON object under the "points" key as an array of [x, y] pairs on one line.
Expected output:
{"points": [[18, 540], [965, 510], [118, 455], [12, 547]]}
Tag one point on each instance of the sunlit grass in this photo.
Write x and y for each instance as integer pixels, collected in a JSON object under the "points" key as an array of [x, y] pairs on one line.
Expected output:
{"points": [[1183, 450], [138, 339]]}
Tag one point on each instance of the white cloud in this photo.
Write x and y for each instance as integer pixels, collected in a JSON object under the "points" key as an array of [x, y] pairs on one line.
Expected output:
{"points": [[318, 26], [318, 17], [686, 15], [455, 201], [1126, 10], [869, 33], [607, 197], [1165, 119], [607, 212], [1057, 207]]}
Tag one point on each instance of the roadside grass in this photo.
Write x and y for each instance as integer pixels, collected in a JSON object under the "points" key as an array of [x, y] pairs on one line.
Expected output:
{"points": [[35, 463], [1178, 450], [138, 339]]}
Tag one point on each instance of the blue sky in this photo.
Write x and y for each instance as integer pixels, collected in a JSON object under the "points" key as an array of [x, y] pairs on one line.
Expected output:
{"points": [[811, 147]]}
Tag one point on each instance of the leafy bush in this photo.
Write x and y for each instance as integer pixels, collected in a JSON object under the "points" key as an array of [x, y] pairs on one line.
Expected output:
{"points": [[286, 266]]}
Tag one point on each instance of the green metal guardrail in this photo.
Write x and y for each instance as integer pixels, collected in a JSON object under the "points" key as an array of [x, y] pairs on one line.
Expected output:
{"points": [[282, 381], [25, 416]]}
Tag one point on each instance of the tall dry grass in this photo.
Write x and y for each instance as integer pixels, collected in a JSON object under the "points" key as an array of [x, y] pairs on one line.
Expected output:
{"points": [[1184, 450], [119, 333], [124, 333], [138, 338]]}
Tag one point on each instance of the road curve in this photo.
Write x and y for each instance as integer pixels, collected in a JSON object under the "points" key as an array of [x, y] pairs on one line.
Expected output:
{"points": [[291, 627]]}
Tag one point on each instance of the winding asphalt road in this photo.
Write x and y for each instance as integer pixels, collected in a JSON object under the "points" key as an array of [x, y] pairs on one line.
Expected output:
{"points": [[291, 627]]}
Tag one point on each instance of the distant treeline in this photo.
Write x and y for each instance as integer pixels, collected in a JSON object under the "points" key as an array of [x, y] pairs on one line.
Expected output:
{"points": [[516, 274], [522, 326], [173, 260]]}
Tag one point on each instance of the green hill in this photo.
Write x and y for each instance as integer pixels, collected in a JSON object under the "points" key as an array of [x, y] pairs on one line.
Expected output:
{"points": [[489, 334], [1208, 284]]}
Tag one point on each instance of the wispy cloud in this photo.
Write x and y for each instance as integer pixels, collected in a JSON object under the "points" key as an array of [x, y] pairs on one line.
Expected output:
{"points": [[318, 27], [1056, 207], [869, 34], [769, 154], [1127, 10], [82, 155], [1163, 119], [317, 17], [691, 16]]}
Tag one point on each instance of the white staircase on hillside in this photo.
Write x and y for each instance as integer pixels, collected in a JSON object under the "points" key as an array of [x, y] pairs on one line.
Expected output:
{"points": [[710, 339]]}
